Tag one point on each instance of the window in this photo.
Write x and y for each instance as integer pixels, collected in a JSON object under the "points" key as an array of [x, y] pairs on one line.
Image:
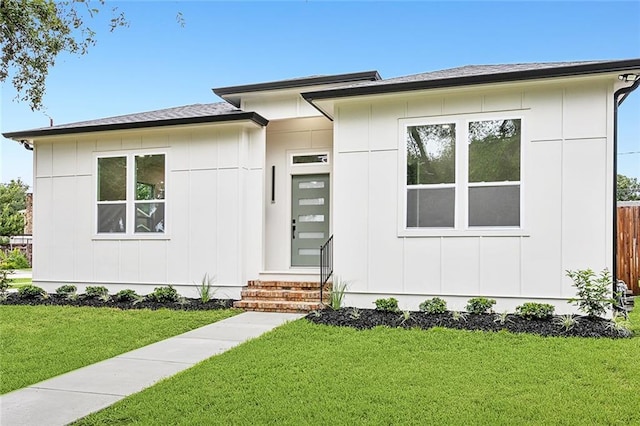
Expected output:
{"points": [[131, 194], [431, 170], [494, 172], [462, 173], [320, 158]]}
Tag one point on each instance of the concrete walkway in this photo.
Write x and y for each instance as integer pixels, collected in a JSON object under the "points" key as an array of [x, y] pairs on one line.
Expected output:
{"points": [[20, 273], [73, 395]]}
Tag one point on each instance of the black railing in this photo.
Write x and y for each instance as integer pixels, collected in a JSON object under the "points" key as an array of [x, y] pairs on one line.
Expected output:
{"points": [[326, 264]]}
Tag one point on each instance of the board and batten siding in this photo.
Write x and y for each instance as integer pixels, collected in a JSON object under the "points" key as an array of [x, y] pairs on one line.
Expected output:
{"points": [[566, 189], [213, 219]]}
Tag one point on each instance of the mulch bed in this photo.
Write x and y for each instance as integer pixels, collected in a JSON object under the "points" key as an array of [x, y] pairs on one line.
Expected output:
{"points": [[362, 319], [57, 300]]}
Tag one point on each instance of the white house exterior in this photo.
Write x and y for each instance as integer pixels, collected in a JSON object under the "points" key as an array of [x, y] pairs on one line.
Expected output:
{"points": [[475, 181]]}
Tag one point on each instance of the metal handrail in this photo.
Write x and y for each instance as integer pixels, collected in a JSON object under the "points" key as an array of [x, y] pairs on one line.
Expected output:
{"points": [[326, 264]]}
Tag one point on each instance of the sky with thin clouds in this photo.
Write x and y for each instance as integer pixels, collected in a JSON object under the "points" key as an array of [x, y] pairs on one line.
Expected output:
{"points": [[157, 63]]}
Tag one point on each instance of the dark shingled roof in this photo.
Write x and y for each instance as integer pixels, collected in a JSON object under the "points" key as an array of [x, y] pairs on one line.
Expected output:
{"points": [[475, 70], [188, 114], [475, 74]]}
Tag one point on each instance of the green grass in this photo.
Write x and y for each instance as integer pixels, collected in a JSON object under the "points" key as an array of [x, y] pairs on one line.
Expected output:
{"points": [[20, 282], [39, 342], [304, 373]]}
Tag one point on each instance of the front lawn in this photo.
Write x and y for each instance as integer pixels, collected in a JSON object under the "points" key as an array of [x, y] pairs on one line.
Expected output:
{"points": [[304, 373], [39, 342], [19, 282]]}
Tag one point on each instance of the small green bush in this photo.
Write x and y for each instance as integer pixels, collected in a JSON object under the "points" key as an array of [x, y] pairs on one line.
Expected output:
{"points": [[532, 310], [336, 296], [205, 289], [387, 305], [479, 305], [31, 292], [66, 289], [13, 259], [434, 306], [163, 295], [5, 281], [594, 293], [96, 291], [126, 295]]}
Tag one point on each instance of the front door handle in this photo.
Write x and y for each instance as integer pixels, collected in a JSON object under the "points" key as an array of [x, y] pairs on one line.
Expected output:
{"points": [[293, 229]]}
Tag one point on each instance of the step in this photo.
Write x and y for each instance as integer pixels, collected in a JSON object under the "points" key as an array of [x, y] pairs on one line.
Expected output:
{"points": [[312, 274], [277, 306], [288, 285], [283, 295]]}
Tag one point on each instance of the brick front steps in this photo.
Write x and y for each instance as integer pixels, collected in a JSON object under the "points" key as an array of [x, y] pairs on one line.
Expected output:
{"points": [[282, 296]]}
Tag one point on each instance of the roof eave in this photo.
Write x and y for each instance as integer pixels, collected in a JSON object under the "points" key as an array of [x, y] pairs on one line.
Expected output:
{"points": [[575, 70], [244, 116], [301, 82]]}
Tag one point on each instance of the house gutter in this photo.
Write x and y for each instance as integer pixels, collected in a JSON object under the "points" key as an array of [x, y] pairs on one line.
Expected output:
{"points": [[23, 136], [618, 97]]}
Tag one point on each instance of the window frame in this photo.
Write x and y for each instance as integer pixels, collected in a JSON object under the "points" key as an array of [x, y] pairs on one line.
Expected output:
{"points": [[130, 201], [462, 184]]}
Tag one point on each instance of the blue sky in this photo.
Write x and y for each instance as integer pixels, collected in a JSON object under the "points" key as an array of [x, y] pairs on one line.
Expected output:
{"points": [[156, 63]]}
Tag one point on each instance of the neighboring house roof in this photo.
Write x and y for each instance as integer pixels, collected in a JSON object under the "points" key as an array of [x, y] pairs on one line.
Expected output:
{"points": [[188, 114], [475, 74]]}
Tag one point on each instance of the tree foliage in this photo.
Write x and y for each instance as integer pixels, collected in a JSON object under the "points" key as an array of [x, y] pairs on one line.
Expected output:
{"points": [[628, 188], [13, 199], [34, 32], [494, 152]]}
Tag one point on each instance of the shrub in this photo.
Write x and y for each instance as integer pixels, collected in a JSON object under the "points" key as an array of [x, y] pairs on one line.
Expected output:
{"points": [[434, 306], [13, 259], [594, 293], [126, 295], [354, 313], [479, 305], [96, 291], [163, 295], [387, 305], [31, 292], [502, 318], [566, 321], [336, 297], [205, 288], [532, 310], [5, 282], [66, 289]]}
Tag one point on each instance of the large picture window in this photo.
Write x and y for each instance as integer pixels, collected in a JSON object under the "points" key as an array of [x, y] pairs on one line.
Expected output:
{"points": [[131, 194], [463, 173]]}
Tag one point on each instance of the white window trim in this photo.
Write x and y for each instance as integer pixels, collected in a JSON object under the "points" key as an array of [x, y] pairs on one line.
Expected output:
{"points": [[461, 208], [130, 233]]}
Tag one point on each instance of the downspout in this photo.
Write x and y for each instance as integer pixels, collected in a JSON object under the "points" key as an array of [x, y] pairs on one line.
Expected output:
{"points": [[25, 143], [618, 97]]}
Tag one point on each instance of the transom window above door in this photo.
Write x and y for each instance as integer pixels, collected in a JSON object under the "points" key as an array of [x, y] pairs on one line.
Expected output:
{"points": [[461, 172], [311, 159]]}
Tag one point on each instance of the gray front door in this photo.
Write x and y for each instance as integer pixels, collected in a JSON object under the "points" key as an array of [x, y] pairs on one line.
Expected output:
{"points": [[309, 218]]}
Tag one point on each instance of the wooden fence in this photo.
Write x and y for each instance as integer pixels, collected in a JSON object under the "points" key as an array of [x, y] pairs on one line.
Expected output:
{"points": [[628, 261]]}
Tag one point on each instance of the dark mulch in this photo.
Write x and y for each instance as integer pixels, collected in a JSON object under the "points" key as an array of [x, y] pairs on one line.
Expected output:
{"points": [[57, 300], [369, 318]]}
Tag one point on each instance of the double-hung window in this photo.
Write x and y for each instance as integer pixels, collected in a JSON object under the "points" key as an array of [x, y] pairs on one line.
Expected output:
{"points": [[461, 172], [131, 194]]}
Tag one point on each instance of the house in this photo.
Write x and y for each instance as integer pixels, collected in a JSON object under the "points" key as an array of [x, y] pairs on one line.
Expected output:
{"points": [[488, 180]]}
